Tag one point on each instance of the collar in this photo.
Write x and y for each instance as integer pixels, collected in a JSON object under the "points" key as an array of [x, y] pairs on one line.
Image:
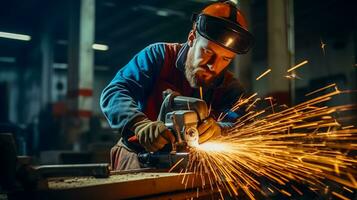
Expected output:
{"points": [[181, 57]]}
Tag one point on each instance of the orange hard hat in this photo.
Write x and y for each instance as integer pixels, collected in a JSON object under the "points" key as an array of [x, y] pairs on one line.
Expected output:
{"points": [[224, 24]]}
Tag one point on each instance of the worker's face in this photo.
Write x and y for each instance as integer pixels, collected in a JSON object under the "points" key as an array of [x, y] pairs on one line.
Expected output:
{"points": [[205, 60]]}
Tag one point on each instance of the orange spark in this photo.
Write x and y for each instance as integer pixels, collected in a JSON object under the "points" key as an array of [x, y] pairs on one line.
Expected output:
{"points": [[175, 165], [347, 127], [321, 89], [297, 190], [292, 76], [322, 46], [347, 189], [298, 65], [271, 103], [340, 196], [303, 144], [201, 93], [286, 193], [263, 74]]}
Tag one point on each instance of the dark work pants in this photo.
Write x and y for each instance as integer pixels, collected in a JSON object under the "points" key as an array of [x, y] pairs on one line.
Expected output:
{"points": [[123, 158]]}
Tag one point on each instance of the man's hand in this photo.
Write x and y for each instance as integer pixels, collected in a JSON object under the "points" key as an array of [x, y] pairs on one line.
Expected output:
{"points": [[208, 129], [152, 135]]}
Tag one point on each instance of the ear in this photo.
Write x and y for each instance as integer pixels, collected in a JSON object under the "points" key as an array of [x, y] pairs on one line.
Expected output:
{"points": [[191, 36]]}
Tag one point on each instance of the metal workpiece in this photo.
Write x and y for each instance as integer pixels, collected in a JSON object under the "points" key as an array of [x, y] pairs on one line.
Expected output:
{"points": [[100, 170], [160, 160]]}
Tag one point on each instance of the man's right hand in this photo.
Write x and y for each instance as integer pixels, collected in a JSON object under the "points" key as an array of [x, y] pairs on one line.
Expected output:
{"points": [[152, 135]]}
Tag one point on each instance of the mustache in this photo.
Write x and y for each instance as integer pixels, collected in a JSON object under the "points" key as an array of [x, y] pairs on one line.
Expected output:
{"points": [[206, 70]]}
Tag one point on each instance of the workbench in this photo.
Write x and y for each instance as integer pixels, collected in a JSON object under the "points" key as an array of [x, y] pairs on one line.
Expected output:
{"points": [[139, 185]]}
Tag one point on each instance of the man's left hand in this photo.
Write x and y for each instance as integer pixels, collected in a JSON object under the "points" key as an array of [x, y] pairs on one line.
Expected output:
{"points": [[208, 129]]}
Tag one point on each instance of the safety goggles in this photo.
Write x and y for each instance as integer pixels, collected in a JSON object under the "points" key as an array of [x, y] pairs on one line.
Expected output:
{"points": [[224, 32]]}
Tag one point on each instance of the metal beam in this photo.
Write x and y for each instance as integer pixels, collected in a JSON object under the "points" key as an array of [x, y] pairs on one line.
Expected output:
{"points": [[242, 66], [80, 68], [278, 51]]}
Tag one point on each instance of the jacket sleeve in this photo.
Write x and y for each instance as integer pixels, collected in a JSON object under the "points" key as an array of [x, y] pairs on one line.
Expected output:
{"points": [[123, 99]]}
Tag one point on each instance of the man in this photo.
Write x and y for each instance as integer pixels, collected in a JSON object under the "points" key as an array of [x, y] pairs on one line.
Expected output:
{"points": [[131, 102]]}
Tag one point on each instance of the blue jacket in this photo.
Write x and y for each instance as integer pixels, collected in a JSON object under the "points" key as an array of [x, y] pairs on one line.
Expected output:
{"points": [[136, 90]]}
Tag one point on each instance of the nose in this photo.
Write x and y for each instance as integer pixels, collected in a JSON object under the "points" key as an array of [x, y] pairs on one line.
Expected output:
{"points": [[211, 63]]}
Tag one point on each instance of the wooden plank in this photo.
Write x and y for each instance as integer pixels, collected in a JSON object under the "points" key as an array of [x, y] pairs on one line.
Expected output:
{"points": [[120, 186]]}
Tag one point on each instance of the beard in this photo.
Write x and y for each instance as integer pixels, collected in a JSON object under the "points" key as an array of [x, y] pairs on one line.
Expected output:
{"points": [[197, 75]]}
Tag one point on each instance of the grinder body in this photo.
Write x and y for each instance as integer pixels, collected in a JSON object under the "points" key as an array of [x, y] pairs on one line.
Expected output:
{"points": [[181, 116]]}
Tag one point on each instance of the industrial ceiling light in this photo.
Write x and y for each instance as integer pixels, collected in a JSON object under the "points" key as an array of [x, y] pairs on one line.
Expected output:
{"points": [[15, 36], [100, 47], [162, 13]]}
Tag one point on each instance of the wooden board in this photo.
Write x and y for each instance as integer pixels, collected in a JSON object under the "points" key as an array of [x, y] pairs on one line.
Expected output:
{"points": [[134, 185]]}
